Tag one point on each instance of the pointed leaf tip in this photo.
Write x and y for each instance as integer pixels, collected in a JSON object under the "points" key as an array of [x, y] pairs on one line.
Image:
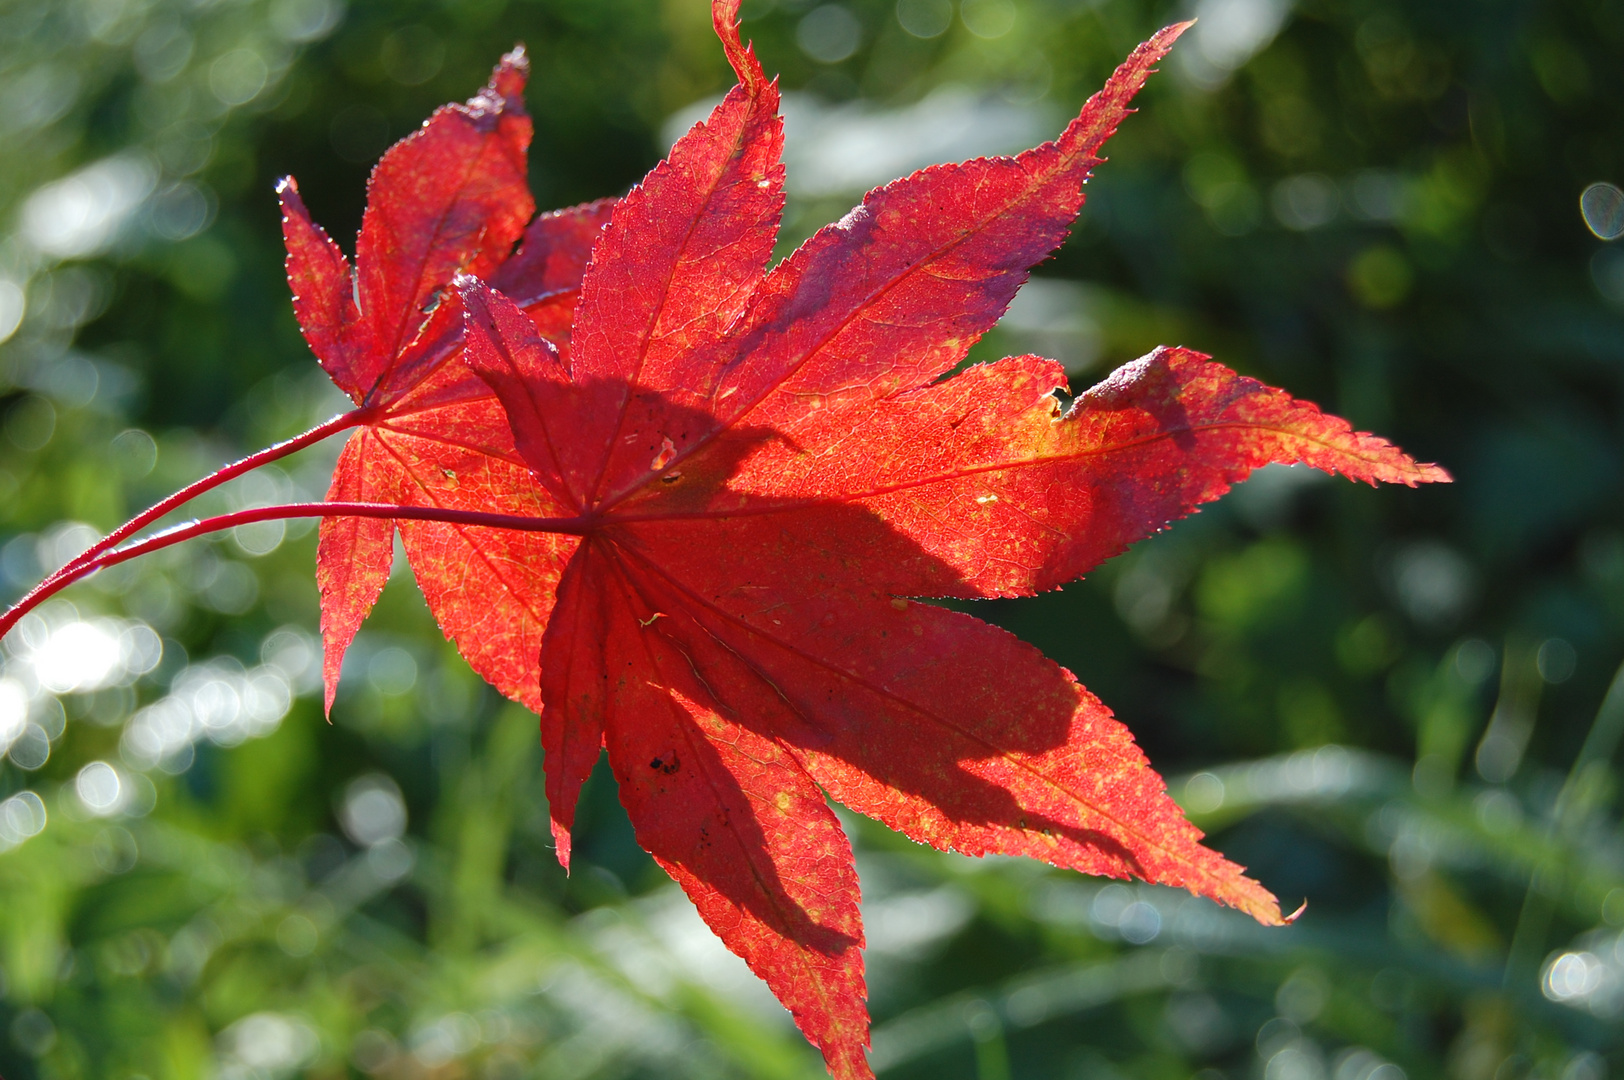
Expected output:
{"points": [[1162, 40], [332, 663], [1430, 473], [291, 202], [1111, 105], [508, 78], [477, 298], [561, 846], [475, 294], [1140, 63], [725, 17]]}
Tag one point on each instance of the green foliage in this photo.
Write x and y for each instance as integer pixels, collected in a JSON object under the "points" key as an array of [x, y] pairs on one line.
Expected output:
{"points": [[1396, 706]]}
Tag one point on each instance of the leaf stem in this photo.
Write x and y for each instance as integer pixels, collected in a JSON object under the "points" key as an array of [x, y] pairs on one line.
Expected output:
{"points": [[572, 526], [70, 571]]}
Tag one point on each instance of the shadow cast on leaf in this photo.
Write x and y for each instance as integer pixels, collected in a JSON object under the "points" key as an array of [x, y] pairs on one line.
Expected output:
{"points": [[791, 622]]}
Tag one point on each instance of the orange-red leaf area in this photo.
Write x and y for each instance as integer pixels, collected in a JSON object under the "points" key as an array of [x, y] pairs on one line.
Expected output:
{"points": [[770, 466]]}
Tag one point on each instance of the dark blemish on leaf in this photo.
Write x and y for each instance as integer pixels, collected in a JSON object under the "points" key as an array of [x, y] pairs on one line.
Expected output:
{"points": [[662, 765]]}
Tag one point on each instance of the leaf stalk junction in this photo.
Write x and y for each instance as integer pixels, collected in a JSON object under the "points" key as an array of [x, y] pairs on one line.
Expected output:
{"points": [[109, 552]]}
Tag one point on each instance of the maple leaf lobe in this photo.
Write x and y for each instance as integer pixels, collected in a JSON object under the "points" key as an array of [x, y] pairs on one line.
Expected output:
{"points": [[323, 293], [451, 197]]}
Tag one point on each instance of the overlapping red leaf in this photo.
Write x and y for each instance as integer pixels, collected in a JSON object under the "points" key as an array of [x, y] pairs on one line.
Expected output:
{"points": [[452, 197]]}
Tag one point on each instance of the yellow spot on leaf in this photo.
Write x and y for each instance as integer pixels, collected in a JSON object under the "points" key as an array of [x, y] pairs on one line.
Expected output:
{"points": [[668, 450]]}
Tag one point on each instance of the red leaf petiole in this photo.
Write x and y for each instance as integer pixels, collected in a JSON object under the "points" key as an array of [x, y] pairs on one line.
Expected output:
{"points": [[88, 564], [75, 568]]}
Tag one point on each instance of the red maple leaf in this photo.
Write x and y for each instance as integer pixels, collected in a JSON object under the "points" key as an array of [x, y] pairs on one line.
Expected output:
{"points": [[451, 198], [763, 468], [691, 525]]}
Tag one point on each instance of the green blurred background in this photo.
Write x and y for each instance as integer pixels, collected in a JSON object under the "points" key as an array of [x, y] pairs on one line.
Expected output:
{"points": [[1393, 703]]}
